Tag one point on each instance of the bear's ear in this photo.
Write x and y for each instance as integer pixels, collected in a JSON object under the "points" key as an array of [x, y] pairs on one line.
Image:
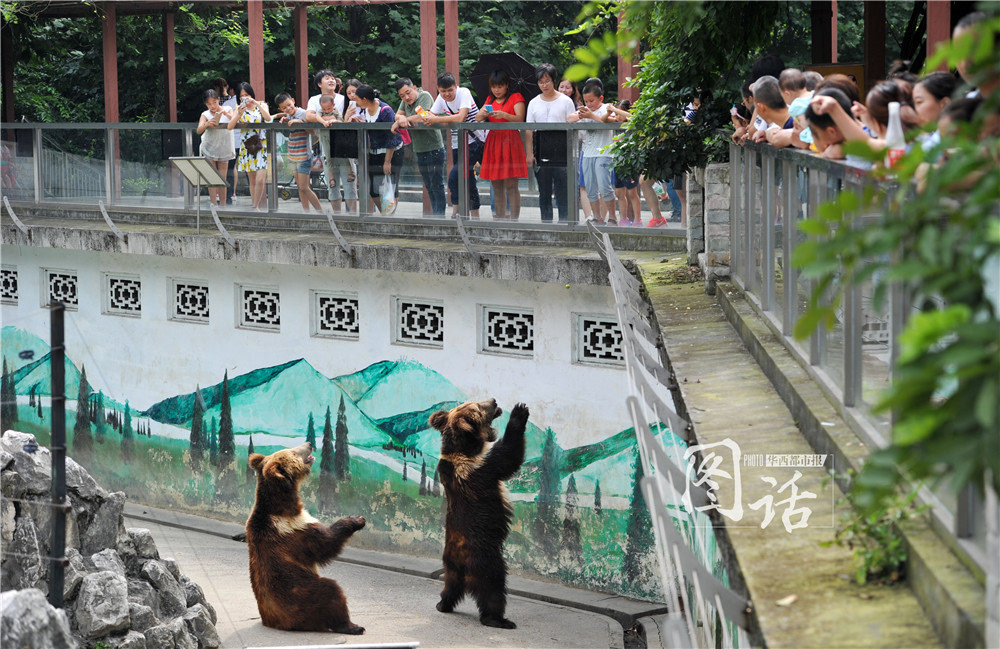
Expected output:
{"points": [[255, 460], [439, 419], [272, 471]]}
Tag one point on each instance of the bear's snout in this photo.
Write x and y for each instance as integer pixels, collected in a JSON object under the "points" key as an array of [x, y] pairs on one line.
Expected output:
{"points": [[304, 451]]}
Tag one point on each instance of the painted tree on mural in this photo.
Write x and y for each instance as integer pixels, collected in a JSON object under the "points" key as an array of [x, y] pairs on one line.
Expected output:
{"points": [[547, 501], [197, 438], [213, 443], [227, 444], [404, 471], [98, 417], [128, 438], [572, 547], [251, 474], [597, 497], [436, 486], [83, 441], [341, 457], [327, 484], [311, 432], [639, 534], [8, 398], [423, 479]]}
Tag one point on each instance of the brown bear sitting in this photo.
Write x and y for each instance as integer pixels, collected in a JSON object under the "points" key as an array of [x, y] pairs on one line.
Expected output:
{"points": [[478, 519], [287, 545]]}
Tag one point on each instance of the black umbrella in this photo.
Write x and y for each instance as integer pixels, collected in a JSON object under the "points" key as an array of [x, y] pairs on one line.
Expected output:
{"points": [[521, 73]]}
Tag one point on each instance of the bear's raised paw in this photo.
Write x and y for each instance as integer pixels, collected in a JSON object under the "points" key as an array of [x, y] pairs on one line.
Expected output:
{"points": [[519, 413], [355, 523]]}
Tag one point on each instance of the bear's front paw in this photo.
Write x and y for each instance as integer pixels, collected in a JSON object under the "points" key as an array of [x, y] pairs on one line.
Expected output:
{"points": [[354, 522], [519, 413], [349, 628]]}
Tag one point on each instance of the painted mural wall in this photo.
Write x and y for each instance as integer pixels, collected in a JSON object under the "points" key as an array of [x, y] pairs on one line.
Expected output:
{"points": [[177, 369]]}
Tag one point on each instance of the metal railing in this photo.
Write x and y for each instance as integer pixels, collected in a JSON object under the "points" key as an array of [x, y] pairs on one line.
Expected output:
{"points": [[771, 190], [126, 165], [705, 612]]}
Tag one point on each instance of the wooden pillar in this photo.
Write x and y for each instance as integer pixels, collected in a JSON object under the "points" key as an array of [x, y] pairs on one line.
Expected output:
{"points": [[451, 38], [428, 44], [170, 66], [874, 43], [7, 72], [255, 29], [833, 32], [821, 14], [301, 55], [938, 26], [109, 30]]}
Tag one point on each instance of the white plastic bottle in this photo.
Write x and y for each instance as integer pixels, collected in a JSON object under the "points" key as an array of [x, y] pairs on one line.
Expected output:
{"points": [[895, 142]]}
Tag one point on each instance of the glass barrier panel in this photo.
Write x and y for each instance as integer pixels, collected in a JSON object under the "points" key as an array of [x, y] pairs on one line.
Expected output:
{"points": [[142, 168], [875, 348], [73, 165], [832, 361], [18, 163], [778, 240]]}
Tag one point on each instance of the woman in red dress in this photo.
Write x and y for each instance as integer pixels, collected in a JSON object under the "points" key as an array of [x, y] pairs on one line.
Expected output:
{"points": [[504, 161]]}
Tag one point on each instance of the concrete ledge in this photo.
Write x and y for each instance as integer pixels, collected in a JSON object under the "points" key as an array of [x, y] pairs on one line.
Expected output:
{"points": [[949, 593]]}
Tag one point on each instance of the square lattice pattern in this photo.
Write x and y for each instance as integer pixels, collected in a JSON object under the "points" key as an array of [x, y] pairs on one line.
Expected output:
{"points": [[190, 300], [336, 315], [124, 295], [60, 286], [508, 330], [8, 285], [260, 308], [419, 322], [600, 340]]}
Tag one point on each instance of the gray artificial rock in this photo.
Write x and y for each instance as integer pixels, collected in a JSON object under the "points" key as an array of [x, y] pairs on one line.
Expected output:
{"points": [[105, 526], [172, 567], [172, 635], [73, 573], [25, 565], [141, 592], [199, 622], [194, 594], [7, 512], [6, 459], [126, 550], [28, 620], [145, 546], [172, 599], [142, 617], [81, 482], [35, 468], [102, 605], [131, 640], [108, 560]]}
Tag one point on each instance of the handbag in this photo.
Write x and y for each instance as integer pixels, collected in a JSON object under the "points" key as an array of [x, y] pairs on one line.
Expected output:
{"points": [[253, 144]]}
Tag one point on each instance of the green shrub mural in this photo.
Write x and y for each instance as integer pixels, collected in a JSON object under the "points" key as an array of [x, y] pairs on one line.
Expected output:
{"points": [[578, 516]]}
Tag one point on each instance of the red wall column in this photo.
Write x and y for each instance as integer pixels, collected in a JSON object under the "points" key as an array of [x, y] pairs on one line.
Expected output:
{"points": [[938, 26], [874, 43], [109, 30], [428, 45], [170, 66], [301, 55], [833, 32], [451, 38], [627, 69], [255, 29]]}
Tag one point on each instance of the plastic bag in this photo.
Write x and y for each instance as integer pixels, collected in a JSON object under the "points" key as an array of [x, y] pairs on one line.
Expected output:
{"points": [[387, 197]]}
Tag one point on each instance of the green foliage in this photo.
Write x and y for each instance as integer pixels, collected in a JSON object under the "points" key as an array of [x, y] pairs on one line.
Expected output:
{"points": [[939, 241], [874, 535]]}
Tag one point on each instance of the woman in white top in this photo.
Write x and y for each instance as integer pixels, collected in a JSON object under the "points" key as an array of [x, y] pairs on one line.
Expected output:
{"points": [[216, 143]]}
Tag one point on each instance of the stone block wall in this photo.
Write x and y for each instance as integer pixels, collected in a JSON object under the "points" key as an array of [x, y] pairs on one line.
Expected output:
{"points": [[695, 208], [715, 261]]}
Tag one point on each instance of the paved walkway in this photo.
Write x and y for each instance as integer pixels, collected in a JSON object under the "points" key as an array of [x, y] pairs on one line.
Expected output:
{"points": [[392, 596]]}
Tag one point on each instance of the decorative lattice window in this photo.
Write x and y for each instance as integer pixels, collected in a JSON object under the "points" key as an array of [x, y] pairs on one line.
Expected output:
{"points": [[419, 322], [507, 330], [335, 315], [122, 295], [8, 285], [60, 286], [597, 339], [258, 307], [190, 300]]}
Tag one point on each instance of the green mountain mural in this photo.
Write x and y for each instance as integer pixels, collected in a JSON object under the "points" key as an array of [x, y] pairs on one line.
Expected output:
{"points": [[22, 348], [407, 387], [401, 427], [39, 375], [358, 383]]}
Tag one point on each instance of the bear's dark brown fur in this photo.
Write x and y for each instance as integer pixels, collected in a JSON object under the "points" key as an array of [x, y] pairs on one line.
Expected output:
{"points": [[287, 545], [471, 469]]}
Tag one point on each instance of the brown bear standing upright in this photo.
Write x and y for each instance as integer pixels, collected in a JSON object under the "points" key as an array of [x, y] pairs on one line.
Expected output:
{"points": [[287, 545], [479, 515]]}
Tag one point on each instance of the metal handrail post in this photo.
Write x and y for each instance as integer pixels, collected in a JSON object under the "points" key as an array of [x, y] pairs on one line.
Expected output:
{"points": [[462, 173], [37, 164], [768, 214], [109, 167], [272, 151], [58, 450], [364, 184], [789, 276], [814, 337], [734, 195], [747, 252], [188, 149], [572, 180]]}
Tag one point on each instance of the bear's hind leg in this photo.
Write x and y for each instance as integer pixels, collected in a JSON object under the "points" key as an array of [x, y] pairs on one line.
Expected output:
{"points": [[333, 613], [490, 592], [454, 587]]}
